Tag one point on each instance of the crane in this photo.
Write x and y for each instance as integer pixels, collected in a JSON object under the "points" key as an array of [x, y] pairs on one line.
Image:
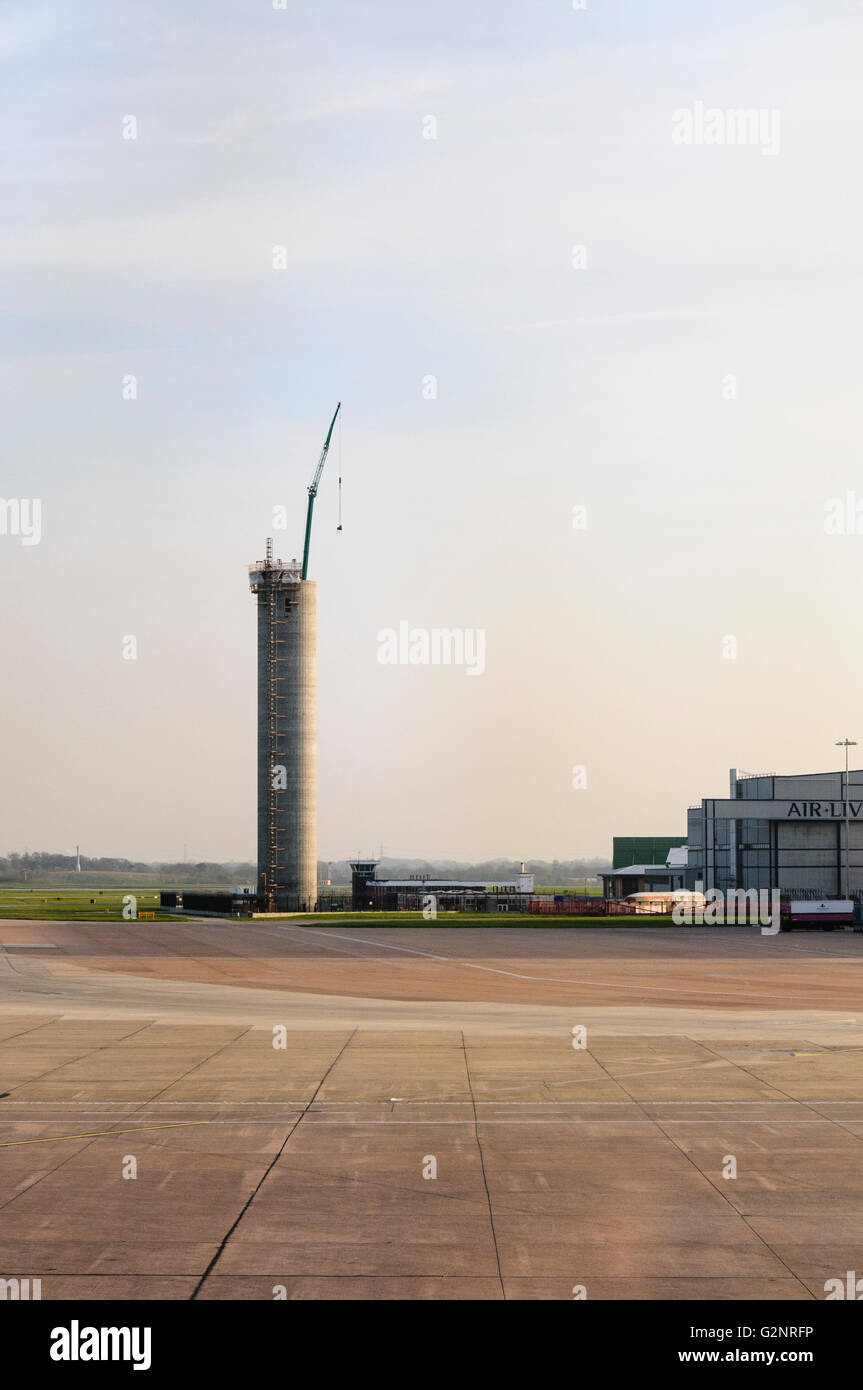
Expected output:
{"points": [[313, 491]]}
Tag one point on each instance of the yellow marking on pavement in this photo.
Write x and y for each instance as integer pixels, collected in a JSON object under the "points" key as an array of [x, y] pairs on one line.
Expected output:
{"points": [[100, 1133]]}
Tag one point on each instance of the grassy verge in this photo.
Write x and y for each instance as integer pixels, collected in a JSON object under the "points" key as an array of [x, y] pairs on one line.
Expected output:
{"points": [[94, 905], [474, 919]]}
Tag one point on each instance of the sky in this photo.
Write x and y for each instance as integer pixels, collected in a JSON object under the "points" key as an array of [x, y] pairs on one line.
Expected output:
{"points": [[600, 404]]}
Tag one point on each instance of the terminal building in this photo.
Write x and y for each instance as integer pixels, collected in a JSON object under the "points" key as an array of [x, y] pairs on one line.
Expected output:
{"points": [[780, 832]]}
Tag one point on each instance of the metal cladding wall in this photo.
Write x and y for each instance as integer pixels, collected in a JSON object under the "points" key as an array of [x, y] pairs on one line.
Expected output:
{"points": [[780, 832], [287, 745], [643, 849]]}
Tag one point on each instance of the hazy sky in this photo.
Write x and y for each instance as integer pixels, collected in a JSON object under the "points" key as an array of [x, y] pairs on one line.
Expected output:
{"points": [[606, 385]]}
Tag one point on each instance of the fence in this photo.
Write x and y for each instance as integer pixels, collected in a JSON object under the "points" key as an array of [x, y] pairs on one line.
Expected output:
{"points": [[570, 907]]}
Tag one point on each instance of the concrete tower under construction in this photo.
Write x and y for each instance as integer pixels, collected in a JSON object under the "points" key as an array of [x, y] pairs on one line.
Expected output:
{"points": [[287, 746], [287, 719]]}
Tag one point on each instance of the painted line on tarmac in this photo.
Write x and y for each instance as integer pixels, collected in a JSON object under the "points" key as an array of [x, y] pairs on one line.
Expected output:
{"points": [[551, 979], [349, 1104], [362, 1122], [102, 1133]]}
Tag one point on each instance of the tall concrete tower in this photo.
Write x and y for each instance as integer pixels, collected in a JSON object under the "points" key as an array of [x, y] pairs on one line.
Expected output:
{"points": [[287, 734]]}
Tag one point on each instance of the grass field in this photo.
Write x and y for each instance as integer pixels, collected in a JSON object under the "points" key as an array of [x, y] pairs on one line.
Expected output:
{"points": [[71, 905], [475, 919], [43, 904], [95, 905]]}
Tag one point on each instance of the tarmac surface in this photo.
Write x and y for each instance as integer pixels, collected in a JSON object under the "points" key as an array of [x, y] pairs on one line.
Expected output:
{"points": [[355, 1112]]}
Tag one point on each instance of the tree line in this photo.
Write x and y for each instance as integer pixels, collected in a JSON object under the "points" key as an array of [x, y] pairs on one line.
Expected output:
{"points": [[15, 866]]}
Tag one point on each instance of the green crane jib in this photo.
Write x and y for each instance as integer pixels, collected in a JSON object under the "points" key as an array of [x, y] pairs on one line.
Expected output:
{"points": [[313, 491]]}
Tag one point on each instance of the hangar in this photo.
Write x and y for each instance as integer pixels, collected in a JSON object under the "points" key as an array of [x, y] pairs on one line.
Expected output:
{"points": [[802, 834]]}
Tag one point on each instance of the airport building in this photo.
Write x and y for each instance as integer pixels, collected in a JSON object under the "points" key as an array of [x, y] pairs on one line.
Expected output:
{"points": [[789, 833], [450, 895], [648, 877]]}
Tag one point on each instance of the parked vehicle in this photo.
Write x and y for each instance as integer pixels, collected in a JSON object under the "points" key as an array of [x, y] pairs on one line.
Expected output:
{"points": [[827, 913]]}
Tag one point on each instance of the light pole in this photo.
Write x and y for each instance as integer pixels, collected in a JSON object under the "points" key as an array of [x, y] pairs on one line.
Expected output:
{"points": [[847, 743]]}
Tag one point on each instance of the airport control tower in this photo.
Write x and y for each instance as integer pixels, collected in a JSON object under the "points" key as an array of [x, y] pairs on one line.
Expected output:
{"points": [[287, 723]]}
